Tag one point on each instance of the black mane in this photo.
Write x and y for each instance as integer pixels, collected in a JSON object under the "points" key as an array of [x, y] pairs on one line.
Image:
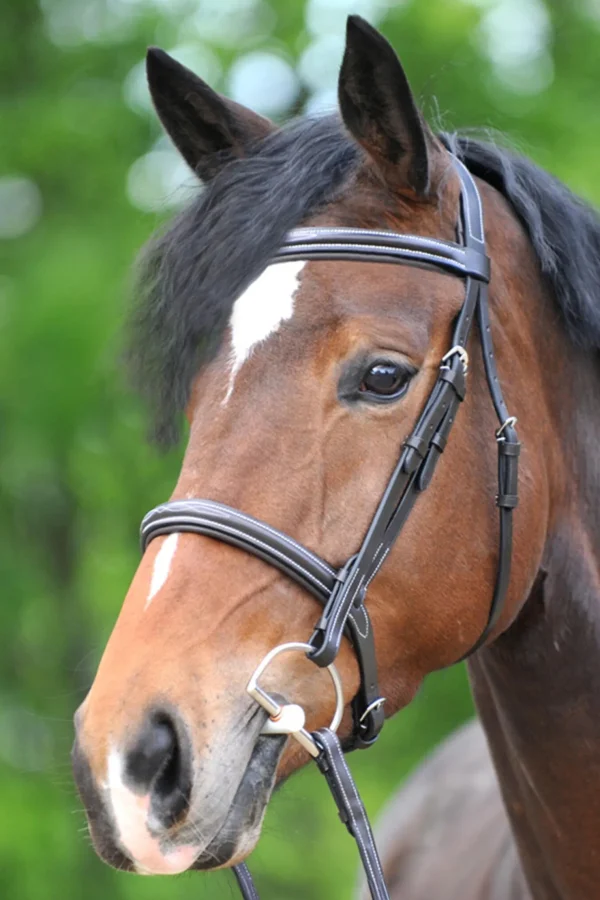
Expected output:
{"points": [[191, 274]]}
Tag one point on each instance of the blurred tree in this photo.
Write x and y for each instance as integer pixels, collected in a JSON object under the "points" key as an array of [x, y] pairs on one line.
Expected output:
{"points": [[84, 178]]}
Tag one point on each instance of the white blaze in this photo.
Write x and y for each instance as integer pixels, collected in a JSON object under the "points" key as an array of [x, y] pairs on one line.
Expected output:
{"points": [[260, 310], [162, 567]]}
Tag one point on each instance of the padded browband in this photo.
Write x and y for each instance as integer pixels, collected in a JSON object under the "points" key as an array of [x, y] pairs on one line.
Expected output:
{"points": [[363, 245]]}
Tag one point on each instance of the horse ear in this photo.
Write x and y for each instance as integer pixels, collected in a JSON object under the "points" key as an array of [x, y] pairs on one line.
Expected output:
{"points": [[208, 130], [380, 112]]}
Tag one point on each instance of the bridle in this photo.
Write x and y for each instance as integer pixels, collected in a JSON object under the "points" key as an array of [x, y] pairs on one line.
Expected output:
{"points": [[342, 592]]}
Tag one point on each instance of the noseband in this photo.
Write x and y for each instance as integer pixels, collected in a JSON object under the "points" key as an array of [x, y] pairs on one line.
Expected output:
{"points": [[343, 591]]}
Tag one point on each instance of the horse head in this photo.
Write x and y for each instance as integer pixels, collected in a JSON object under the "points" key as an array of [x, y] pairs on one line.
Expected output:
{"points": [[300, 381]]}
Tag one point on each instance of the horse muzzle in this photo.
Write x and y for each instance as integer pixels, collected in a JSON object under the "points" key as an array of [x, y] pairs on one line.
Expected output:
{"points": [[159, 809]]}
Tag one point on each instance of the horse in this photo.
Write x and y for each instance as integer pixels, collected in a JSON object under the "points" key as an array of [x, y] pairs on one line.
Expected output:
{"points": [[301, 382], [446, 833]]}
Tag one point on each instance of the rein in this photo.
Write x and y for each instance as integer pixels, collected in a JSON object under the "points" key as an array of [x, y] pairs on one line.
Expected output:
{"points": [[342, 592]]}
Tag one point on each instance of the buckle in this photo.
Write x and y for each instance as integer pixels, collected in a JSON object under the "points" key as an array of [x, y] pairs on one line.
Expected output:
{"points": [[459, 351], [371, 708], [508, 423]]}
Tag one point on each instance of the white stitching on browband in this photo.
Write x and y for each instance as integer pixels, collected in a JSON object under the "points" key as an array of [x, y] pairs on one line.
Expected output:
{"points": [[447, 245], [300, 248], [208, 504]]}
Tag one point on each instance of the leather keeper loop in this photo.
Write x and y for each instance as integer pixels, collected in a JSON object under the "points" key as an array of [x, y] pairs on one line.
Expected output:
{"points": [[509, 448], [412, 461], [418, 444], [360, 597], [439, 441], [479, 264], [428, 468], [456, 378]]}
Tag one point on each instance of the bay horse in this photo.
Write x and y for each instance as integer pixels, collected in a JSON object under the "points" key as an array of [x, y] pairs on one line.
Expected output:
{"points": [[301, 382]]}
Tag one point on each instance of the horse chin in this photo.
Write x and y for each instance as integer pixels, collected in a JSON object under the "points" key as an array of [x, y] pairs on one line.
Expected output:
{"points": [[241, 829]]}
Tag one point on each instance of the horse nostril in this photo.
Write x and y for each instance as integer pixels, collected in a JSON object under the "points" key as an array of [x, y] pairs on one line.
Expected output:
{"points": [[158, 764], [152, 753]]}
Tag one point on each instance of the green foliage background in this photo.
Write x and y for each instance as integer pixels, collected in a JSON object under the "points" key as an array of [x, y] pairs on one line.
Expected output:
{"points": [[75, 472]]}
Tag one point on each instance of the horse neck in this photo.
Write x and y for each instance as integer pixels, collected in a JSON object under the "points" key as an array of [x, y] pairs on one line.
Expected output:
{"points": [[537, 688]]}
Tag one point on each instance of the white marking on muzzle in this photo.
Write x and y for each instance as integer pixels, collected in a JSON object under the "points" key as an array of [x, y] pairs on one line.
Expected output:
{"points": [[259, 312], [162, 567], [130, 814]]}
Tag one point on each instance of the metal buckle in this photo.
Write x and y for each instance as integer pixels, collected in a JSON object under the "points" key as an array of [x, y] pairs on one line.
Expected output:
{"points": [[289, 718], [459, 351], [371, 708], [508, 423]]}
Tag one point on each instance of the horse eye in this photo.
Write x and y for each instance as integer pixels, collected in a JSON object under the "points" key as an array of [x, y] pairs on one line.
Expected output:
{"points": [[386, 379]]}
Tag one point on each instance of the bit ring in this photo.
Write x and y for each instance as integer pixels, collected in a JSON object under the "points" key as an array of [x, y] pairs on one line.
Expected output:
{"points": [[277, 710]]}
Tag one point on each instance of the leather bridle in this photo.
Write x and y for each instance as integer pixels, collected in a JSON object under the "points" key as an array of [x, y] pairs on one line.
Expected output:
{"points": [[342, 591]]}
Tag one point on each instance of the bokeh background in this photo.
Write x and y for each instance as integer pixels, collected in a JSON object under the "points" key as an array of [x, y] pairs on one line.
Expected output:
{"points": [[85, 176]]}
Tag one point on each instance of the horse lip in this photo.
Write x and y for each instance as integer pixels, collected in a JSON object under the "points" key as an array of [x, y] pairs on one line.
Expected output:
{"points": [[247, 807]]}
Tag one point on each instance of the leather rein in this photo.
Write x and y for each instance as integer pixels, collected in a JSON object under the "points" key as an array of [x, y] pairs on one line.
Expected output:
{"points": [[342, 592]]}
